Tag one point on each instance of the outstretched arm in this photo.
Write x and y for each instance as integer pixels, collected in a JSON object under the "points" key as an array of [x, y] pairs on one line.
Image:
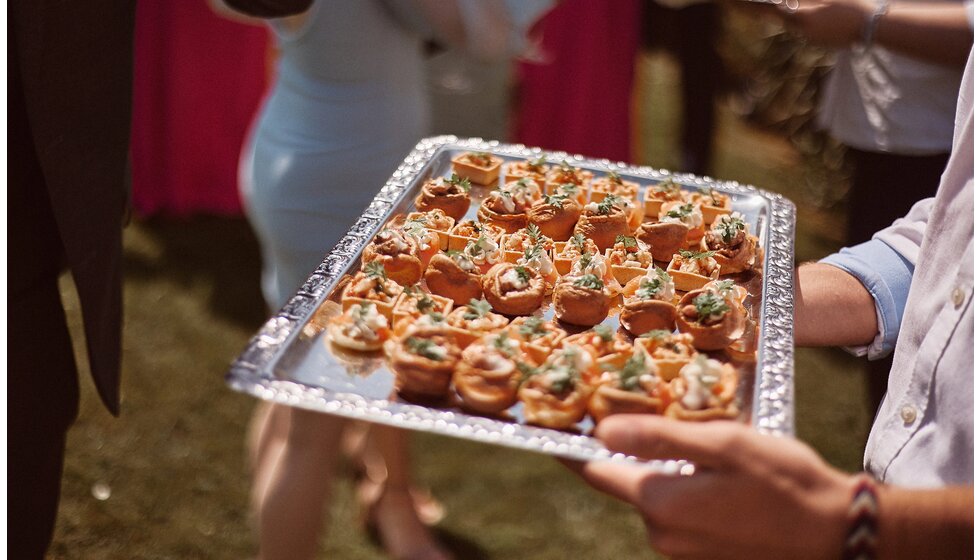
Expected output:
{"points": [[760, 496], [938, 32], [833, 308]]}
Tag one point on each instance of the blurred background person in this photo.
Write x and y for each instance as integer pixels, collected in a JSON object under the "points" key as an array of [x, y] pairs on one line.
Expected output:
{"points": [[576, 94], [70, 83], [890, 99], [348, 103], [689, 30]]}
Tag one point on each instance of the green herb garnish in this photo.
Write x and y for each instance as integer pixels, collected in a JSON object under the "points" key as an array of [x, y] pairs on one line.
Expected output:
{"points": [[590, 281], [556, 200], [375, 270], [695, 255], [425, 304], [526, 370], [657, 334], [607, 204], [476, 309], [615, 178], [605, 332], [568, 189], [710, 305], [629, 375], [681, 212], [522, 274], [729, 228], [532, 328], [460, 182], [628, 242], [425, 348], [500, 342], [536, 164], [578, 241], [533, 233]]}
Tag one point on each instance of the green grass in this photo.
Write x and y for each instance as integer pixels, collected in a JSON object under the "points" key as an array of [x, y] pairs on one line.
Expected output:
{"points": [[174, 461]]}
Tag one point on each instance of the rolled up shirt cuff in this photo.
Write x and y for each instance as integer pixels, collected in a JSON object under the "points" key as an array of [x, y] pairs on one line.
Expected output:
{"points": [[887, 276]]}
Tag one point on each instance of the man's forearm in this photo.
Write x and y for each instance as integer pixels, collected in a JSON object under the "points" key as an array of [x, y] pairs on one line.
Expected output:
{"points": [[917, 524], [936, 32], [832, 308]]}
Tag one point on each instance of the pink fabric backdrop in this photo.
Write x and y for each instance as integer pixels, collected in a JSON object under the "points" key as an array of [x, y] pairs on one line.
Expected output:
{"points": [[580, 100], [198, 80]]}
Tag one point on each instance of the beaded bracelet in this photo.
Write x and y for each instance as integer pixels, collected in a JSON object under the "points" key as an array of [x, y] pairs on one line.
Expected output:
{"points": [[861, 542]]}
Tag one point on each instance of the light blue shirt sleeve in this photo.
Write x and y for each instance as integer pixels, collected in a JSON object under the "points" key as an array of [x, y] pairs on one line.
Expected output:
{"points": [[887, 275]]}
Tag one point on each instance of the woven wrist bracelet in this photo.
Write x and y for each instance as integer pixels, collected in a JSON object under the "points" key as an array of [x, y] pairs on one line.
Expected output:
{"points": [[861, 542]]}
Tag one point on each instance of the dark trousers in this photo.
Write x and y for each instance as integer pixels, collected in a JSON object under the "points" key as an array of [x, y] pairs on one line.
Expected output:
{"points": [[690, 34], [42, 380], [885, 187]]}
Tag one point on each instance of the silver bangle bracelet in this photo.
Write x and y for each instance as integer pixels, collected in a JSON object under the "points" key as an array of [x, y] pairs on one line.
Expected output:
{"points": [[871, 24]]}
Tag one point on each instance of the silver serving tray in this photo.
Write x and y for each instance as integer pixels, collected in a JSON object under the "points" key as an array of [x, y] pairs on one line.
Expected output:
{"points": [[289, 361]]}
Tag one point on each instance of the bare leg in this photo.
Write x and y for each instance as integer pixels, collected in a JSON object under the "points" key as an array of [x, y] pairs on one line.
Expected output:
{"points": [[392, 509], [289, 499]]}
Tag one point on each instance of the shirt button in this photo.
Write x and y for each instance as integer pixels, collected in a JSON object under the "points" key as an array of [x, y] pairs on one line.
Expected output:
{"points": [[957, 297], [908, 414]]}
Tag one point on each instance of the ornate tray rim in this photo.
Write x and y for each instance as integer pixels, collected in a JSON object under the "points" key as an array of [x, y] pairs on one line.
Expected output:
{"points": [[772, 405]]}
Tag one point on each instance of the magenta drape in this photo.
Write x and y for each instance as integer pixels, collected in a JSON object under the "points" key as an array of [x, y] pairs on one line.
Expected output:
{"points": [[579, 100], [198, 80]]}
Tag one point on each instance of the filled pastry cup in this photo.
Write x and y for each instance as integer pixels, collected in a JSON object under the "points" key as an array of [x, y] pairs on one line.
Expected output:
{"points": [[473, 320], [566, 253], [575, 191], [632, 388], [662, 239], [430, 320], [452, 195], [372, 285], [487, 377], [711, 319], [423, 361], [566, 174], [595, 264], [513, 289], [704, 390], [648, 303], [435, 220], [495, 210], [482, 168], [515, 244], [735, 249], [415, 302], [713, 204], [615, 185], [603, 222], [582, 300], [692, 270], [610, 349], [668, 351], [628, 259], [466, 231], [687, 214], [484, 253], [454, 276], [556, 216], [556, 395], [533, 169], [656, 195], [537, 259], [538, 338], [427, 240], [398, 252], [361, 328]]}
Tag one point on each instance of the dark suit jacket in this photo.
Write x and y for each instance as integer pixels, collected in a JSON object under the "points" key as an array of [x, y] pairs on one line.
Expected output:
{"points": [[75, 62]]}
